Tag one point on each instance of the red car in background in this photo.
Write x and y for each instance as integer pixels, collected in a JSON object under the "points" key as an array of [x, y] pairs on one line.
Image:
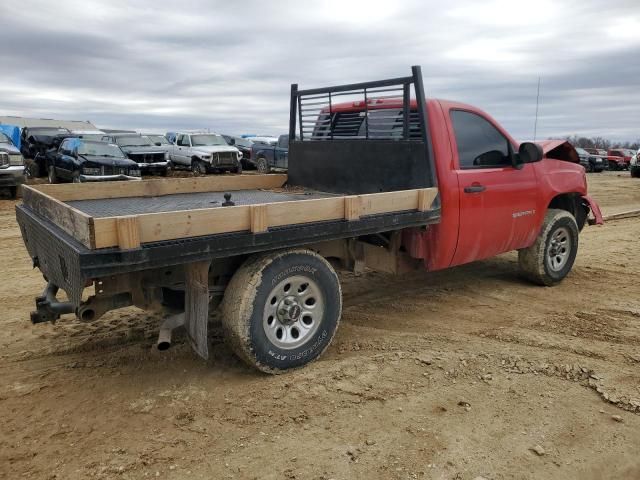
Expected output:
{"points": [[619, 158]]}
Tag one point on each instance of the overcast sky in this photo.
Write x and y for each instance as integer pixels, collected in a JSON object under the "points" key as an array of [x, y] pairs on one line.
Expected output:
{"points": [[228, 65]]}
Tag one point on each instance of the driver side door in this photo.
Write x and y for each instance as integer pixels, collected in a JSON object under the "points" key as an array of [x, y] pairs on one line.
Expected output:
{"points": [[498, 202]]}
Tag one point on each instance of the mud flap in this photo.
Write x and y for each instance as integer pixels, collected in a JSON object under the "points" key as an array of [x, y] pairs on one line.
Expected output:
{"points": [[197, 306], [595, 210]]}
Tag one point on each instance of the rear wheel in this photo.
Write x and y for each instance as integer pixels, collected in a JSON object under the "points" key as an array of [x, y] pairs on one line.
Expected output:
{"points": [[262, 165], [282, 309], [551, 257], [51, 174]]}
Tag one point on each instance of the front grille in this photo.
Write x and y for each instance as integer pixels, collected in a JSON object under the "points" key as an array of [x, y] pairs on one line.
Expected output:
{"points": [[147, 157], [109, 170], [227, 158]]}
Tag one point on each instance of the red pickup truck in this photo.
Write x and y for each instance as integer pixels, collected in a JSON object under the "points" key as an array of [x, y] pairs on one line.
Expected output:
{"points": [[376, 180], [619, 158]]}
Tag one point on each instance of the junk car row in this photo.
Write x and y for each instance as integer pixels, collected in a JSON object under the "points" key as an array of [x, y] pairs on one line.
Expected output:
{"points": [[89, 155]]}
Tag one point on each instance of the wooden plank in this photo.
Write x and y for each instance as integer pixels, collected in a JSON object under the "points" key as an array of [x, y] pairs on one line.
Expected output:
{"points": [[74, 222], [426, 196], [259, 218], [158, 187], [375, 203], [193, 223], [128, 231], [305, 211], [196, 312], [352, 207], [155, 227]]}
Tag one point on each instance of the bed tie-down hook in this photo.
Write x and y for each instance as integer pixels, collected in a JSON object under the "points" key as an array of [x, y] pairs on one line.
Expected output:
{"points": [[227, 201]]}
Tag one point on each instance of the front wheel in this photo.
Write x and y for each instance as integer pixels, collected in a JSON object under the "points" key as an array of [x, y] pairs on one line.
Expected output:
{"points": [[281, 309], [198, 167], [551, 257], [238, 169]]}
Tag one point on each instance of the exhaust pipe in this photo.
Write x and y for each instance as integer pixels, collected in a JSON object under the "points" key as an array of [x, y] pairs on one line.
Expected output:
{"points": [[166, 329]]}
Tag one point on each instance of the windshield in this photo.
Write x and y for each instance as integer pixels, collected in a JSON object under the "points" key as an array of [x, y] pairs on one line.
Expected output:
{"points": [[5, 139], [581, 151], [158, 139], [206, 140], [133, 141], [100, 149]]}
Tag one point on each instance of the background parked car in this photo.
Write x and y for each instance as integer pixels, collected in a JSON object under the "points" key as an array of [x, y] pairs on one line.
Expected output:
{"points": [[11, 165], [245, 146], [598, 152], [266, 157], [619, 158], [78, 160], [204, 153], [34, 144], [591, 163], [140, 149]]}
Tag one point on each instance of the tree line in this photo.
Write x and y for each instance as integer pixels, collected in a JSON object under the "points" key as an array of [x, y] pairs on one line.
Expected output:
{"points": [[600, 142]]}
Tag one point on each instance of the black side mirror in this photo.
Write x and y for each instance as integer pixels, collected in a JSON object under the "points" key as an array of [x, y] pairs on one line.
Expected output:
{"points": [[232, 141], [529, 152], [158, 144]]}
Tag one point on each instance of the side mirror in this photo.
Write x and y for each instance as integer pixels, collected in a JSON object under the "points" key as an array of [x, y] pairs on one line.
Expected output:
{"points": [[529, 152], [232, 141], [158, 144]]}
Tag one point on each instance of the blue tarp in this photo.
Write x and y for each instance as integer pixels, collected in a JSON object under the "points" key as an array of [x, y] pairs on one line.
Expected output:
{"points": [[12, 132]]}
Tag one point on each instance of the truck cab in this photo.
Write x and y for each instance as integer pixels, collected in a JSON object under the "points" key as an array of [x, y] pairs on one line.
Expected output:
{"points": [[491, 202]]}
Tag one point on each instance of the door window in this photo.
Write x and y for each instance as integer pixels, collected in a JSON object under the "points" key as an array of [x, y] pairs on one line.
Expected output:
{"points": [[183, 140], [480, 144]]}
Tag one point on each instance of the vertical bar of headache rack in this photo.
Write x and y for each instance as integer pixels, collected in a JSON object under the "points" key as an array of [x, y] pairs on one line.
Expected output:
{"points": [[330, 117], [300, 116], [424, 127], [292, 113], [366, 115], [406, 106]]}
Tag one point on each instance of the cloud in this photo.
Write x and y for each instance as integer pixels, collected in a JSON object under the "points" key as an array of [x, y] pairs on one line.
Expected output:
{"points": [[228, 66]]}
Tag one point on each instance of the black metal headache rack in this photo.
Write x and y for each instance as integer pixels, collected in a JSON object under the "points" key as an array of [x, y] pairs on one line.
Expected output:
{"points": [[361, 138]]}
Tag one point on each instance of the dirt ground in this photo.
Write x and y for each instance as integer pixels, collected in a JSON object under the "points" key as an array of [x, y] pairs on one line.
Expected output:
{"points": [[451, 375]]}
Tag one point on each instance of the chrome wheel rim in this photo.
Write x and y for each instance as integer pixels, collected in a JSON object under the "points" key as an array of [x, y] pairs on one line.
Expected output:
{"points": [[293, 312], [559, 249]]}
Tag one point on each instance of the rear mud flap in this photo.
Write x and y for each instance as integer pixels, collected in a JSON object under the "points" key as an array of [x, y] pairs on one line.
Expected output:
{"points": [[197, 306]]}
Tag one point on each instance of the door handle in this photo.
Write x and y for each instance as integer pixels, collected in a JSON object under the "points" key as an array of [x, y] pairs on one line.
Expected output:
{"points": [[475, 188]]}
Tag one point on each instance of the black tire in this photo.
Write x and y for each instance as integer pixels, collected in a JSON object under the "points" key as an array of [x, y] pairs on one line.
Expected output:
{"points": [[51, 174], [635, 171], [199, 167], [31, 169], [251, 324], [13, 192], [589, 168], [262, 166], [540, 262], [75, 177], [238, 169]]}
